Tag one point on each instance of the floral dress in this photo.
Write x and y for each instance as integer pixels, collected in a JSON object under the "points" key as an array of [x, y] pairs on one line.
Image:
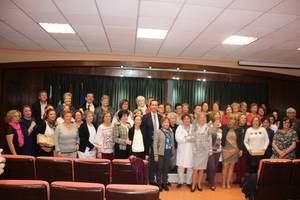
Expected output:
{"points": [[284, 141]]}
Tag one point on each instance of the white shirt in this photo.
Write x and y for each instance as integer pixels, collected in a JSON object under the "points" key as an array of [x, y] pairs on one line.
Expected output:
{"points": [[92, 107], [274, 127], [155, 121], [43, 106], [104, 139], [256, 139], [137, 143], [92, 132], [49, 132]]}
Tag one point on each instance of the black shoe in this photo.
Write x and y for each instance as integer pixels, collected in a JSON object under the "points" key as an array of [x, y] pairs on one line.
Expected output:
{"points": [[160, 189], [179, 185], [169, 184], [165, 187], [193, 189], [200, 189], [213, 188]]}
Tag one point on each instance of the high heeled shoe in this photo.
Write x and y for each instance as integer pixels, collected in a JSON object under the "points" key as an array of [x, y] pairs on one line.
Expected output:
{"points": [[193, 189], [199, 188]]}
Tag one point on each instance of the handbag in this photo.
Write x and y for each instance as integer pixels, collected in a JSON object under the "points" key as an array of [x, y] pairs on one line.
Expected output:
{"points": [[48, 142]]}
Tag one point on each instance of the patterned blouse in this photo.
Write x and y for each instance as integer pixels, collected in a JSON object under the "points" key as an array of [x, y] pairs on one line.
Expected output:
{"points": [[284, 141]]}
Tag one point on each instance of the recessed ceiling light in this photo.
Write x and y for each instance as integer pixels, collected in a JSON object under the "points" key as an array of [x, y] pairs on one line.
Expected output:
{"points": [[57, 28], [298, 49], [199, 79], [239, 40], [204, 70], [149, 76], [122, 75], [204, 80], [150, 67], [151, 33], [177, 68], [122, 66]]}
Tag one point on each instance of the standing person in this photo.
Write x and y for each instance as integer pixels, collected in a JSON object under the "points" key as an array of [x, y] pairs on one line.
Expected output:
{"points": [[120, 135], [123, 105], [284, 141], [161, 110], [67, 102], [230, 152], [277, 118], [196, 111], [141, 104], [163, 147], [243, 108], [295, 124], [242, 165], [266, 124], [151, 123], [101, 109], [28, 126], [89, 103], [184, 155], [87, 134], [14, 137], [201, 148], [179, 112], [38, 108], [66, 137], [252, 114], [215, 110], [185, 108], [138, 139], [104, 138], [78, 117], [205, 110], [273, 124], [227, 115], [213, 160], [47, 129], [168, 108], [256, 141]]}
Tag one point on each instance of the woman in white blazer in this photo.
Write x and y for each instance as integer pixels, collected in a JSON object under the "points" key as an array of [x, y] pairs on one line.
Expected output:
{"points": [[184, 158]]}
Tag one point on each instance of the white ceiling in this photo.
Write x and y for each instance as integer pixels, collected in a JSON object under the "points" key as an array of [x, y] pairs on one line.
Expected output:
{"points": [[196, 27]]}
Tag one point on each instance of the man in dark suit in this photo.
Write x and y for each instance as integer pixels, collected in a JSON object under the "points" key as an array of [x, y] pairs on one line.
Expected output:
{"points": [[89, 103], [38, 108], [151, 123]]}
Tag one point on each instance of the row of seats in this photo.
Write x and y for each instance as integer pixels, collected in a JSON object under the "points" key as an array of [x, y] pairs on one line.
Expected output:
{"points": [[52, 169], [40, 190], [278, 179]]}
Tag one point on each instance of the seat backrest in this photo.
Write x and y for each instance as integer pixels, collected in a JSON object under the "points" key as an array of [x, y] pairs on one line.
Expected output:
{"points": [[92, 170], [54, 169], [19, 167], [131, 192], [76, 191], [24, 190], [295, 181], [123, 172], [273, 178]]}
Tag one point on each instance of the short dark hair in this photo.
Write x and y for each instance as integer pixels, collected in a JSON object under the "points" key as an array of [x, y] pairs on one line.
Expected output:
{"points": [[122, 102], [123, 112], [265, 119], [186, 115], [177, 104]]}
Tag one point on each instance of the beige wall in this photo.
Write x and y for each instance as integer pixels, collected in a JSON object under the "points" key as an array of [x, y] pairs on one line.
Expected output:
{"points": [[21, 55]]}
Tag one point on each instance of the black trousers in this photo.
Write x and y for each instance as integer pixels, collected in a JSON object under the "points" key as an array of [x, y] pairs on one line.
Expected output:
{"points": [[152, 166], [163, 169], [140, 155]]}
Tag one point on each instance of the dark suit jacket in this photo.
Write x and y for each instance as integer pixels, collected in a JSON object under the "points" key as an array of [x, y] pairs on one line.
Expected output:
{"points": [[148, 129], [130, 137], [84, 136], [36, 112], [83, 106]]}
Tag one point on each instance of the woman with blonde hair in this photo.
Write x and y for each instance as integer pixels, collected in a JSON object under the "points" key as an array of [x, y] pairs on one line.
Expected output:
{"points": [[14, 137]]}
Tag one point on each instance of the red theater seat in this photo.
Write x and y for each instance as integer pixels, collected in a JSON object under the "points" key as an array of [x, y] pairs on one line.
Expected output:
{"points": [[131, 192], [24, 190], [295, 180], [54, 169], [19, 167], [61, 190], [273, 179], [123, 173], [92, 170]]}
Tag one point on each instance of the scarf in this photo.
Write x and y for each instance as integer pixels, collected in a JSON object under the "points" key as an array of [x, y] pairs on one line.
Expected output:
{"points": [[17, 127]]}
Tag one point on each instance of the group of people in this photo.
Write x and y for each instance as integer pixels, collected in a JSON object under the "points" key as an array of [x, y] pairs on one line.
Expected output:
{"points": [[193, 140]]}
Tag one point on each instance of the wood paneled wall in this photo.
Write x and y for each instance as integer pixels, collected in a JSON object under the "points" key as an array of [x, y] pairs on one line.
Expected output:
{"points": [[20, 86]]}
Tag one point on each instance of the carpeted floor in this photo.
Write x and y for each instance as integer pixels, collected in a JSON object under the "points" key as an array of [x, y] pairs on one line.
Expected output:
{"points": [[219, 194]]}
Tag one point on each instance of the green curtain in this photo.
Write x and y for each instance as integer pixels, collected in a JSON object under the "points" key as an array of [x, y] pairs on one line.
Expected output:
{"points": [[117, 88], [194, 92]]}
